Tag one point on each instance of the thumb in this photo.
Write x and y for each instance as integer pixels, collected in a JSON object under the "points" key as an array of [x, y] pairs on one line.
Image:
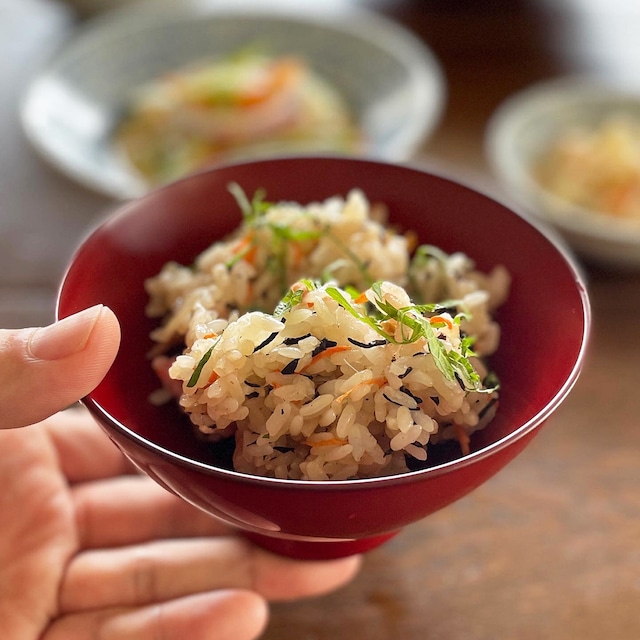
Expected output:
{"points": [[44, 370]]}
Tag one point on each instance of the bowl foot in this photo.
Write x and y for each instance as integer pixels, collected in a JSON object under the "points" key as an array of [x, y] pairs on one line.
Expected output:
{"points": [[310, 549]]}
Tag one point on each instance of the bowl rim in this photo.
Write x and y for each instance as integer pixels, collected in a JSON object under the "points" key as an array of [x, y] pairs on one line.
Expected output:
{"points": [[543, 101], [427, 77], [523, 430]]}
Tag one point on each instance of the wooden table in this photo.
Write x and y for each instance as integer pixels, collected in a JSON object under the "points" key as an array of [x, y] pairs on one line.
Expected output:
{"points": [[550, 547]]}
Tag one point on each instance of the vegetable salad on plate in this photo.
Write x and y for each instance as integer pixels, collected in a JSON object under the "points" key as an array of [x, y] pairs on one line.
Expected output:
{"points": [[247, 104], [596, 168]]}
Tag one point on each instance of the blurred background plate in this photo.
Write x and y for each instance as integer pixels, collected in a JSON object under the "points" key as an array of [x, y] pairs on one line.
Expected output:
{"points": [[392, 81], [522, 130]]}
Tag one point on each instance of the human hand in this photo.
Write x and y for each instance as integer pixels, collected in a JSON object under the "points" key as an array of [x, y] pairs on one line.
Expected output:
{"points": [[91, 549]]}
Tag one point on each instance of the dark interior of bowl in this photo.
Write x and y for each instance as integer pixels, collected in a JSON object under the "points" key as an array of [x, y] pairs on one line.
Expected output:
{"points": [[543, 321]]}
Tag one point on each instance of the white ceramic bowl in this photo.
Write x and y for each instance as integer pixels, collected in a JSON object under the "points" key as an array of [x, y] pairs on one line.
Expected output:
{"points": [[392, 82], [519, 132]]}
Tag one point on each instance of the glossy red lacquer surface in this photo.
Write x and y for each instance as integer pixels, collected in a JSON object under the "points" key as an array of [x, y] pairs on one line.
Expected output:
{"points": [[545, 325]]}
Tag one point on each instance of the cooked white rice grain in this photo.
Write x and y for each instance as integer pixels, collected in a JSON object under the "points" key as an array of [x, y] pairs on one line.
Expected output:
{"points": [[318, 390]]}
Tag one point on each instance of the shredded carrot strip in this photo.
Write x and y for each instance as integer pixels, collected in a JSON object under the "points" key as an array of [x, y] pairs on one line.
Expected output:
{"points": [[329, 442], [412, 241], [282, 73], [250, 255], [249, 295], [361, 298], [243, 243], [463, 438], [210, 335], [297, 253], [377, 381], [245, 249], [212, 378], [437, 319], [325, 354]]}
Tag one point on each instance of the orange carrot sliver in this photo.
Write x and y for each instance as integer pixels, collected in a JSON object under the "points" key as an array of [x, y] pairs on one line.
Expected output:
{"points": [[377, 381], [325, 354], [243, 242], [446, 321], [463, 438], [325, 443], [250, 255], [284, 72], [297, 252]]}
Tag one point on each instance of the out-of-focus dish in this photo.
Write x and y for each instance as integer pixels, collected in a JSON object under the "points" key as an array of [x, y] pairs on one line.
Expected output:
{"points": [[596, 167], [390, 83], [244, 104], [568, 151], [86, 8]]}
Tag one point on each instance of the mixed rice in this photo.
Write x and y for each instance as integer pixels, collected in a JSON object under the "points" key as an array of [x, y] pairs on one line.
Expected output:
{"points": [[326, 344]]}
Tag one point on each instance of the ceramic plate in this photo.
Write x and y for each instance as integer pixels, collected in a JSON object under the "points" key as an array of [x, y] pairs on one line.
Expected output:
{"points": [[391, 80], [522, 129]]}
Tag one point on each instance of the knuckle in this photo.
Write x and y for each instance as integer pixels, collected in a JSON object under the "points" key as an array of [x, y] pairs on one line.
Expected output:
{"points": [[144, 581]]}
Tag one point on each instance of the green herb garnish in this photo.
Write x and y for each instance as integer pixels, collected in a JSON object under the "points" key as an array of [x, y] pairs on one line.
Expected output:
{"points": [[413, 326], [361, 266], [251, 209], [193, 380], [293, 297], [253, 212]]}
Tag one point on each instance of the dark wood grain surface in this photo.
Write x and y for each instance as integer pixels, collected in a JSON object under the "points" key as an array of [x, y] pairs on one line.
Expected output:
{"points": [[549, 548]]}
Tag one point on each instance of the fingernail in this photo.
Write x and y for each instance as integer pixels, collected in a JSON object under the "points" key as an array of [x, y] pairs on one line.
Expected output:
{"points": [[65, 337]]}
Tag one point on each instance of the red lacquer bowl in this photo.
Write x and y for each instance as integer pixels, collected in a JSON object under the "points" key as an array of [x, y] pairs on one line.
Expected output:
{"points": [[545, 325]]}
